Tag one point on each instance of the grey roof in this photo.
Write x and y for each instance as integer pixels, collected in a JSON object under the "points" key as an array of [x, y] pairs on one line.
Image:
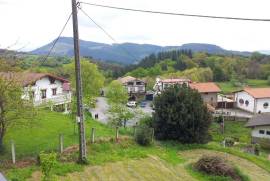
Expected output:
{"points": [[259, 120]]}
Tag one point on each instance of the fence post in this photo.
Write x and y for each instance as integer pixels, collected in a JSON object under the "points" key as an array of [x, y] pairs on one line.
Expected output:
{"points": [[93, 135], [116, 133], [13, 154], [134, 131], [61, 143], [152, 134]]}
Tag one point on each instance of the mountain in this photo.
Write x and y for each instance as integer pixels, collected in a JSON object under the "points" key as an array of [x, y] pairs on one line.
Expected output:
{"points": [[125, 53]]}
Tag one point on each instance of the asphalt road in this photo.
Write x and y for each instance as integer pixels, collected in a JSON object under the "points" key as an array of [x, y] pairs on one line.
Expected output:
{"points": [[102, 108]]}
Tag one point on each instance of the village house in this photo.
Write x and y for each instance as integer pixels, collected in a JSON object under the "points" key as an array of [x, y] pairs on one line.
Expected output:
{"points": [[162, 84], [209, 92], [44, 89], [260, 125], [255, 100], [133, 85]]}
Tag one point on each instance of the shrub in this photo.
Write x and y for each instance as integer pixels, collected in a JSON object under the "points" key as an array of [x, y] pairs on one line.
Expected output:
{"points": [[214, 165], [146, 121], [143, 135], [47, 163], [181, 115], [265, 143], [229, 142]]}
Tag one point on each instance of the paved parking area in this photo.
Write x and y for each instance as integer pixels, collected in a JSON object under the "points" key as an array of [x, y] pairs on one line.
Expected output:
{"points": [[102, 108]]}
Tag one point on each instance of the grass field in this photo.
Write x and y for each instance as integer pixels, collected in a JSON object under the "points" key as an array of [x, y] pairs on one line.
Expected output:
{"points": [[44, 134], [233, 129], [166, 158], [228, 87]]}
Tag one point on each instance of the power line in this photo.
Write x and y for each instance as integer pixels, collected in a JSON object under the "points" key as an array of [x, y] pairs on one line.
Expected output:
{"points": [[55, 41], [176, 14], [110, 36]]}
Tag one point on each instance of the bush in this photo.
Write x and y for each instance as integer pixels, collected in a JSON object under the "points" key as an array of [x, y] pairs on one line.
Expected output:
{"points": [[229, 142], [265, 143], [214, 165], [181, 115], [47, 163], [146, 121], [143, 135]]}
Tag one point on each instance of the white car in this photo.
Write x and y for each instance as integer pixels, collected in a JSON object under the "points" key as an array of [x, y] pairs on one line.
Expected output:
{"points": [[131, 104]]}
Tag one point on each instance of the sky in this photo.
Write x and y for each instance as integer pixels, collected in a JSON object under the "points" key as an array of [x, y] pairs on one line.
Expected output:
{"points": [[29, 24]]}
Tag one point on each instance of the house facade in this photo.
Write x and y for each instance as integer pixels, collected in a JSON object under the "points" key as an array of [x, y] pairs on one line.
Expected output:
{"points": [[208, 91], [255, 100], [43, 89], [260, 125], [162, 84], [133, 85]]}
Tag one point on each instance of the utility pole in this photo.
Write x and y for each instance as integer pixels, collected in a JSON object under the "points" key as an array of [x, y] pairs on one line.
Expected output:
{"points": [[80, 119]]}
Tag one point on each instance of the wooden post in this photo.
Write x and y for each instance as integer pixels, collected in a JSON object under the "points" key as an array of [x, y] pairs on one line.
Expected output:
{"points": [[93, 135], [116, 134], [134, 131], [61, 143], [152, 134], [13, 154]]}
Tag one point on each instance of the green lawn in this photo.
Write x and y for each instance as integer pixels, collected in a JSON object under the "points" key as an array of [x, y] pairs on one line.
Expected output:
{"points": [[233, 129], [228, 87], [43, 134]]}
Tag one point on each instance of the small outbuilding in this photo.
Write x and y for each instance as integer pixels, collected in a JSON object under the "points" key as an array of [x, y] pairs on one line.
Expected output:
{"points": [[260, 125]]}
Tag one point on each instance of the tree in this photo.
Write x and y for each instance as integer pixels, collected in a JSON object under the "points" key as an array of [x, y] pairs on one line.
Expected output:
{"points": [[180, 114], [116, 93], [92, 79], [13, 109], [120, 114]]}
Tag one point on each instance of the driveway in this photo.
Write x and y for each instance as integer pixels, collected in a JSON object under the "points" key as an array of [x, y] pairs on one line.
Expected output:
{"points": [[102, 108]]}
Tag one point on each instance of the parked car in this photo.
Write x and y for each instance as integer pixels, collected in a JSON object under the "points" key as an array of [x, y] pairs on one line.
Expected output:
{"points": [[131, 104], [143, 104]]}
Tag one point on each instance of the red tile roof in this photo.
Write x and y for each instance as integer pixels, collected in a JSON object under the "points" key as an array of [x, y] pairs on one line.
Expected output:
{"points": [[258, 92], [26, 78], [205, 87]]}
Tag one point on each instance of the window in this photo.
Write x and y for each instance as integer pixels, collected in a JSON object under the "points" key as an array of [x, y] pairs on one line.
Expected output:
{"points": [[138, 83], [130, 83], [54, 91], [43, 94], [261, 131], [52, 80], [241, 101], [246, 102], [265, 105], [268, 132]]}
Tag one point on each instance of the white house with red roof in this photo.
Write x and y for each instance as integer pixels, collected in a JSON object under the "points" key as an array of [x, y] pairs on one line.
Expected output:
{"points": [[209, 92], [255, 100], [44, 89]]}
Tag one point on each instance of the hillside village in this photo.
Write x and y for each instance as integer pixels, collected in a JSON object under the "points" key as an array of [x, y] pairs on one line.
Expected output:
{"points": [[79, 110]]}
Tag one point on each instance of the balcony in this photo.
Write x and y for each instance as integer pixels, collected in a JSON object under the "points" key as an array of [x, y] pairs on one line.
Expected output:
{"points": [[55, 100]]}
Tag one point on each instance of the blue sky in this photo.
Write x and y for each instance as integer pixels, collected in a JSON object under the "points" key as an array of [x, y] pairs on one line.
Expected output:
{"points": [[33, 23]]}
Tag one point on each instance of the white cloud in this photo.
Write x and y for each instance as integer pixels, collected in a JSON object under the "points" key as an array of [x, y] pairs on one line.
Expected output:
{"points": [[38, 22]]}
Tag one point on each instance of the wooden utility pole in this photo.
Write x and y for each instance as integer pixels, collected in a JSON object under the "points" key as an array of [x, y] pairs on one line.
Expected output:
{"points": [[80, 119]]}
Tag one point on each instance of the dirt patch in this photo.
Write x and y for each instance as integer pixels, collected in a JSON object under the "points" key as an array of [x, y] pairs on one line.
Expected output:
{"points": [[254, 172]]}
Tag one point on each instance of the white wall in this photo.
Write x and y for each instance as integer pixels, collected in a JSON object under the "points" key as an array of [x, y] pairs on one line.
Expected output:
{"points": [[260, 103], [255, 132], [44, 83], [245, 96]]}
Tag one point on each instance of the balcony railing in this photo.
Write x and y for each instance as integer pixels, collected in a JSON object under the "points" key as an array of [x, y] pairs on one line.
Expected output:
{"points": [[55, 100]]}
